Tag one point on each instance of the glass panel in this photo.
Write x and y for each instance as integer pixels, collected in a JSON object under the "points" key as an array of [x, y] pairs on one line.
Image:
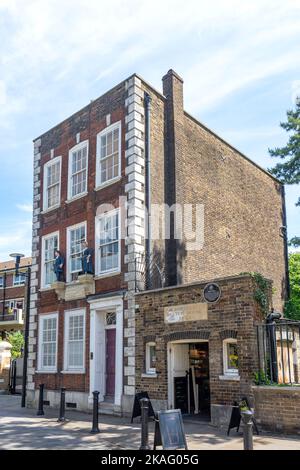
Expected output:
{"points": [[232, 356], [109, 156], [79, 167], [50, 245], [152, 356], [77, 236], [49, 342], [111, 318], [75, 342]]}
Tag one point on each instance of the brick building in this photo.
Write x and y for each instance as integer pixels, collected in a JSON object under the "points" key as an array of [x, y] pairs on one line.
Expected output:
{"points": [[132, 149], [181, 338], [12, 295]]}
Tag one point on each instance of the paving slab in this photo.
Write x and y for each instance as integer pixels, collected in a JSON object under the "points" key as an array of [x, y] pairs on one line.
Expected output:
{"points": [[21, 428]]}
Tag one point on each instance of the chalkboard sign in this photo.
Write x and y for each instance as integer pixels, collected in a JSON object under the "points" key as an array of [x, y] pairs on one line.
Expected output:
{"points": [[235, 419], [181, 393], [169, 430], [136, 411]]}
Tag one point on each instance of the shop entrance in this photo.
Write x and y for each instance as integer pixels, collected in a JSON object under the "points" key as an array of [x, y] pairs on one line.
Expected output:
{"points": [[188, 377]]}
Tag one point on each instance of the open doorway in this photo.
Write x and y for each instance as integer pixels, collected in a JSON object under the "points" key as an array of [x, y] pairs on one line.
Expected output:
{"points": [[189, 378]]}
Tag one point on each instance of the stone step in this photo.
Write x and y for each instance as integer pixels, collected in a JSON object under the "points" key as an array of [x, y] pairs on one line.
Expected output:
{"points": [[107, 408]]}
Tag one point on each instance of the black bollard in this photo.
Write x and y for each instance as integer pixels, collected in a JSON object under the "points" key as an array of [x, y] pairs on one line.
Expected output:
{"points": [[247, 429], [95, 428], [40, 411], [62, 418], [144, 427]]}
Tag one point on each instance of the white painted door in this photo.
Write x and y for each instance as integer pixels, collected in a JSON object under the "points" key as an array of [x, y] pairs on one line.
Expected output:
{"points": [[178, 365]]}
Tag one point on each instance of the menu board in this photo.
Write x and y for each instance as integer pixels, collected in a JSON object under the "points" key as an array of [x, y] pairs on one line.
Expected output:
{"points": [[172, 434]]}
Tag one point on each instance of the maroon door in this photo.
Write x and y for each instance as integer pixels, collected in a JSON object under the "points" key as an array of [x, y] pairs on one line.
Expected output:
{"points": [[110, 361]]}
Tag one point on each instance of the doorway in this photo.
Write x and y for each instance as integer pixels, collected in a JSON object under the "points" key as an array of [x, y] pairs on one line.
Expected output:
{"points": [[188, 377]]}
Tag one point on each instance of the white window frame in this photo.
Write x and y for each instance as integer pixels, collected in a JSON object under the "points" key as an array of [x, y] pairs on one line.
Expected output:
{"points": [[12, 303], [97, 244], [17, 284], [111, 128], [77, 147], [44, 238], [68, 314], [226, 370], [69, 229], [42, 368], [149, 370], [1, 282], [45, 187]]}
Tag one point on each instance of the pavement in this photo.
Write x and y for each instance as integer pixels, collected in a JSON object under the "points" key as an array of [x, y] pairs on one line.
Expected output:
{"points": [[21, 428]]}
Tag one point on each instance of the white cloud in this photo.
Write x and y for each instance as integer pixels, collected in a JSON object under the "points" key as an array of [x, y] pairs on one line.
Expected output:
{"points": [[25, 207], [15, 236], [49, 47]]}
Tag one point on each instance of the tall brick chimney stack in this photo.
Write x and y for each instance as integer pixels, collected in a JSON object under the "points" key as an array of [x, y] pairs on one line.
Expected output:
{"points": [[174, 122]]}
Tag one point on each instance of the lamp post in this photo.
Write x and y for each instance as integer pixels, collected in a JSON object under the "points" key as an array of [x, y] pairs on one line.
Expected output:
{"points": [[17, 257], [4, 301]]}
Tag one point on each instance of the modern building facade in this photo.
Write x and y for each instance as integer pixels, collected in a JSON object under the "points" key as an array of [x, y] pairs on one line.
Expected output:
{"points": [[12, 296], [108, 175]]}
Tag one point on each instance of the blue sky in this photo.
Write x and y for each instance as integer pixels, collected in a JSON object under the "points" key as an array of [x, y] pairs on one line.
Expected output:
{"points": [[240, 62]]}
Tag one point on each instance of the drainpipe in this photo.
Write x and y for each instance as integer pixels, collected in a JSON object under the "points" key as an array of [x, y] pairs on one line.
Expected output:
{"points": [[271, 331], [147, 101], [284, 235]]}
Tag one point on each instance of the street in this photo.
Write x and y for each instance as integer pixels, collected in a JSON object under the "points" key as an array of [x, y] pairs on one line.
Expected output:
{"points": [[20, 428]]}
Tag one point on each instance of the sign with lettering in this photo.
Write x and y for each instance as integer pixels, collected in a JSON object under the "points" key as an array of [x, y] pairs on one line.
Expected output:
{"points": [[169, 430], [186, 312]]}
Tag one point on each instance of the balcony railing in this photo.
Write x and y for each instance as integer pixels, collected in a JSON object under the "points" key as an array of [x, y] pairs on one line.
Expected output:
{"points": [[13, 318]]}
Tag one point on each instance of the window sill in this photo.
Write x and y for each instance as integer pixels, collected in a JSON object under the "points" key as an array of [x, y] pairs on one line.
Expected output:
{"points": [[231, 377], [45, 289], [108, 274], [75, 198], [46, 371], [78, 372], [108, 183], [45, 211], [149, 376]]}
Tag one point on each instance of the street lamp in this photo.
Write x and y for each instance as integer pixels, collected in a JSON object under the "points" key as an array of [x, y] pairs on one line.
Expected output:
{"points": [[17, 257]]}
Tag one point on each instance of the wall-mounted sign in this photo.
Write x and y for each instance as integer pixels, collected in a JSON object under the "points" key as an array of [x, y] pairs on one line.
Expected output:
{"points": [[212, 292], [186, 312]]}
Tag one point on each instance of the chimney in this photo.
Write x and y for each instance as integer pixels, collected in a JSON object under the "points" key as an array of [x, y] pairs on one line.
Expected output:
{"points": [[173, 91], [174, 143]]}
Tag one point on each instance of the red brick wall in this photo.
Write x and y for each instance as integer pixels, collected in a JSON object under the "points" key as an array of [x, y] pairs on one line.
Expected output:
{"points": [[89, 122]]}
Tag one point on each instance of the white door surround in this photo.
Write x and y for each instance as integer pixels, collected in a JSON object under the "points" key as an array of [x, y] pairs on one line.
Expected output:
{"points": [[98, 310], [172, 366]]}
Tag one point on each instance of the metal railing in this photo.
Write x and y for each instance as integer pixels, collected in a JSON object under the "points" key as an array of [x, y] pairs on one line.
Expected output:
{"points": [[278, 349], [16, 315], [150, 272]]}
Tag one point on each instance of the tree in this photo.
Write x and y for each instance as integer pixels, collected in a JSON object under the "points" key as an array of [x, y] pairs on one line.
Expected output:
{"points": [[292, 307], [16, 339], [289, 171]]}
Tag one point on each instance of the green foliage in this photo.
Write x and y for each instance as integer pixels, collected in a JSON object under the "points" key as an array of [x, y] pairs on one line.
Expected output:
{"points": [[16, 339], [295, 241], [261, 293], [260, 378], [289, 171], [292, 307]]}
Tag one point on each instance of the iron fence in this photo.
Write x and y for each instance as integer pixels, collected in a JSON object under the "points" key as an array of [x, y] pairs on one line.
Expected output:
{"points": [[150, 272], [278, 349]]}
